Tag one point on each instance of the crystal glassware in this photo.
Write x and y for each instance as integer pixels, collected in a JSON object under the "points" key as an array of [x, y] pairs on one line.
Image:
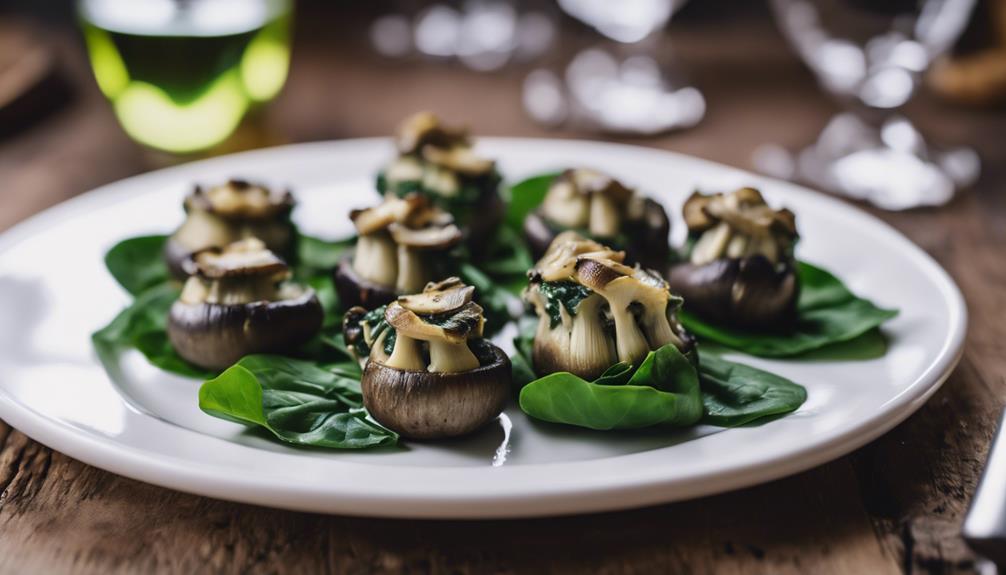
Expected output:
{"points": [[870, 55], [626, 85]]}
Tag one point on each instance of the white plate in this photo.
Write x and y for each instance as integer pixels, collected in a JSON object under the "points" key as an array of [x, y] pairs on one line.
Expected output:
{"points": [[54, 291]]}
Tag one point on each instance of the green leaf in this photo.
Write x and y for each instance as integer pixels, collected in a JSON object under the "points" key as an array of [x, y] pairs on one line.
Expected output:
{"points": [[297, 401], [666, 369], [522, 369], [138, 263], [665, 393], [618, 374], [524, 197], [316, 256], [828, 313], [143, 326], [495, 300], [157, 348], [737, 394]]}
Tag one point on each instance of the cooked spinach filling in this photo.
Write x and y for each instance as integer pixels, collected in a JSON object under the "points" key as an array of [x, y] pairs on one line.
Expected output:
{"points": [[460, 205], [566, 293], [451, 321]]}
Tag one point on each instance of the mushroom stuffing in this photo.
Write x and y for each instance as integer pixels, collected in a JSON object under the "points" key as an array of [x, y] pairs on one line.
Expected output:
{"points": [[594, 311], [428, 372], [740, 269], [600, 207], [220, 215], [400, 248]]}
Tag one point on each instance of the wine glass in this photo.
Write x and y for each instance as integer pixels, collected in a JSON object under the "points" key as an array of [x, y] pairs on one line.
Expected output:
{"points": [[870, 55], [620, 86]]}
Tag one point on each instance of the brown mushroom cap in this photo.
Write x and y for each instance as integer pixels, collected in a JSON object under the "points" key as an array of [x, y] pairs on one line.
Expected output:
{"points": [[429, 238], [214, 336], [424, 405]]}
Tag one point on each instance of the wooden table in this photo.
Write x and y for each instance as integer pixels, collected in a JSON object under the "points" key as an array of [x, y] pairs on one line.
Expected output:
{"points": [[894, 505]]}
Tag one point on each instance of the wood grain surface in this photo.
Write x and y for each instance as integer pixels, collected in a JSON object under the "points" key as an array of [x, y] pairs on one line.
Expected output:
{"points": [[892, 506]]}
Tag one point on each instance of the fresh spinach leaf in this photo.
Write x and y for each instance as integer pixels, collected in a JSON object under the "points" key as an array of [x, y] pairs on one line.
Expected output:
{"points": [[618, 374], [828, 313], [143, 326], [317, 257], [664, 391], [737, 394], [297, 401], [522, 366], [524, 197], [496, 301], [138, 263]]}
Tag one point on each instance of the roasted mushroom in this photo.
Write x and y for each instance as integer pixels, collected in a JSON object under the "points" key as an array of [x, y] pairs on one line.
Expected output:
{"points": [[399, 250], [439, 162], [740, 269], [427, 371], [602, 208], [238, 301], [594, 311], [220, 215]]}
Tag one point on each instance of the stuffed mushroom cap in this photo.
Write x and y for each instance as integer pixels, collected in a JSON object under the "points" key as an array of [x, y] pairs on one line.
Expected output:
{"points": [[740, 270], [399, 250], [439, 378], [238, 301], [219, 215], [595, 311], [440, 162], [600, 206]]}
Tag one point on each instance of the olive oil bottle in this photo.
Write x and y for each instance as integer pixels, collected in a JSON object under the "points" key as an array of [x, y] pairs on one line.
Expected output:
{"points": [[181, 74]]}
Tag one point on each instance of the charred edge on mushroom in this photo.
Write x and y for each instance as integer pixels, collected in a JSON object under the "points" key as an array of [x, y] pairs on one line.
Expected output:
{"points": [[220, 215], [741, 269], [594, 311], [428, 372], [439, 162], [238, 301], [398, 250], [600, 207]]}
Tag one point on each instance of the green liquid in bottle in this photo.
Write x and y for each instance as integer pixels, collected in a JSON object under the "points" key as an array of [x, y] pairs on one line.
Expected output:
{"points": [[181, 74]]}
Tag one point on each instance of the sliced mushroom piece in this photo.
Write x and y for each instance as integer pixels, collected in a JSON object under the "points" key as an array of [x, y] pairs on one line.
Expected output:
{"points": [[354, 289], [445, 296], [392, 209], [584, 349], [458, 158], [621, 290], [425, 128], [449, 350], [559, 261], [375, 258], [427, 238]]}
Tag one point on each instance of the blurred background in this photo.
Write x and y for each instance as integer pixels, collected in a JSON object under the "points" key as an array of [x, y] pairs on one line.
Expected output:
{"points": [[895, 103]]}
